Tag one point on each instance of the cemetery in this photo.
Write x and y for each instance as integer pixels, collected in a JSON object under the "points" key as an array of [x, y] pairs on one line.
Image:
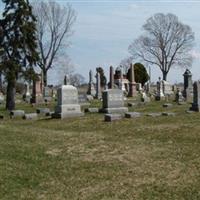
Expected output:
{"points": [[113, 135]]}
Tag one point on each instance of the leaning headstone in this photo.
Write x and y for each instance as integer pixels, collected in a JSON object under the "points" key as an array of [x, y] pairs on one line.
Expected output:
{"points": [[196, 97], [112, 117], [67, 103], [17, 113], [188, 87], [113, 101], [30, 116], [91, 89]]}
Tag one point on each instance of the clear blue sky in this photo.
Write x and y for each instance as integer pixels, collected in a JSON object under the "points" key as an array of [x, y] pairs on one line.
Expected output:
{"points": [[105, 28]]}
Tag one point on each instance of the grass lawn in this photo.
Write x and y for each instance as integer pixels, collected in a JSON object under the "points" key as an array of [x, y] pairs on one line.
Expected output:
{"points": [[88, 159]]}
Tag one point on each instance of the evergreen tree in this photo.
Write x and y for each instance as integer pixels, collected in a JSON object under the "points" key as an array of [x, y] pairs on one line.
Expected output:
{"points": [[18, 41], [141, 75]]}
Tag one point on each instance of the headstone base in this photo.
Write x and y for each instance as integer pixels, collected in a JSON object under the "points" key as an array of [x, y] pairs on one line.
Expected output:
{"points": [[112, 117], [114, 110], [67, 111]]}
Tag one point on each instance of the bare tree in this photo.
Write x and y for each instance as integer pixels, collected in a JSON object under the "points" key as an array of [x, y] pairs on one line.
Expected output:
{"points": [[166, 43], [54, 27]]}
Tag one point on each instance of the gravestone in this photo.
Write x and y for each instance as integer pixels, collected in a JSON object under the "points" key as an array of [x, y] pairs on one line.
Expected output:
{"points": [[179, 97], [167, 88], [159, 94], [67, 103], [196, 97], [111, 85], [27, 95], [188, 87], [91, 89], [98, 86], [113, 101], [37, 92], [47, 94], [132, 84]]}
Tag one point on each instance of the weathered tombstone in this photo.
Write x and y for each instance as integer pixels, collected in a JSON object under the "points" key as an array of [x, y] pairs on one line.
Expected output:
{"points": [[91, 89], [179, 97], [132, 84], [113, 101], [159, 94], [196, 97], [145, 98], [111, 85], [167, 88], [37, 92], [47, 94], [188, 87], [98, 86], [67, 103], [27, 95]]}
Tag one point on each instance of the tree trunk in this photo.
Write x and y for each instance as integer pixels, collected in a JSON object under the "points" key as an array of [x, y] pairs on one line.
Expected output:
{"points": [[44, 78], [10, 96], [164, 76]]}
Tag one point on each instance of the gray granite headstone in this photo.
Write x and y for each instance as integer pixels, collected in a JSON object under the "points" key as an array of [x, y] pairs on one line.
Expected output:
{"points": [[196, 97], [113, 101], [67, 102]]}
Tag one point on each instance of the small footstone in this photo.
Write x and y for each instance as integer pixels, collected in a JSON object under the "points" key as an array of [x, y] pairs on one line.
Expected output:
{"points": [[132, 114], [112, 117], [181, 103], [190, 111], [43, 110], [131, 104], [168, 114], [167, 105], [154, 114], [30, 116], [92, 110], [17, 113]]}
